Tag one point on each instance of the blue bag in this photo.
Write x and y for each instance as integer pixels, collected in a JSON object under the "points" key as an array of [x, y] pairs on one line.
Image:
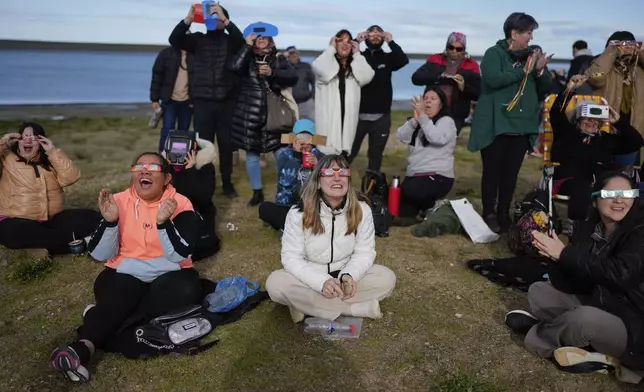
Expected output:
{"points": [[230, 293]]}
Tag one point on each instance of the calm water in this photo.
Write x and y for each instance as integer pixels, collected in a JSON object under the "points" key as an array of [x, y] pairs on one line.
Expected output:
{"points": [[57, 77]]}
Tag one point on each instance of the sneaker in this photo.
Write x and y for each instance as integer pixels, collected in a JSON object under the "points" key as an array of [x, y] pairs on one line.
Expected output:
{"points": [[520, 321], [65, 360], [229, 191], [578, 360], [87, 308]]}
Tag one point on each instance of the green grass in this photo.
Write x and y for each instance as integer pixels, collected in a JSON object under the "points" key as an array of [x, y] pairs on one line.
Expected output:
{"points": [[420, 344]]}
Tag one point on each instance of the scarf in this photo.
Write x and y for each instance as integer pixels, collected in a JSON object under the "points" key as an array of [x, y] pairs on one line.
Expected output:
{"points": [[624, 66]]}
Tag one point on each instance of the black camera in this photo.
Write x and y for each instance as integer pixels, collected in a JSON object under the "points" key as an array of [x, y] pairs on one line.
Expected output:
{"points": [[178, 145]]}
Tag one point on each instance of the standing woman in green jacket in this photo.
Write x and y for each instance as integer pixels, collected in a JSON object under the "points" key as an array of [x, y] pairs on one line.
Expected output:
{"points": [[513, 78]]}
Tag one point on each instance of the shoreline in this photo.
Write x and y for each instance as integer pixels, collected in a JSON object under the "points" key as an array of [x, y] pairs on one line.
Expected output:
{"points": [[97, 110]]}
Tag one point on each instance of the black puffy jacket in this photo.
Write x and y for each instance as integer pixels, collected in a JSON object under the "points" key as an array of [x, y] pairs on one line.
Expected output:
{"points": [[250, 113], [612, 275], [209, 76], [164, 73]]}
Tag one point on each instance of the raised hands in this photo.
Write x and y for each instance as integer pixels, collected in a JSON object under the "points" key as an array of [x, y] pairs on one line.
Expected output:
{"points": [[166, 209], [191, 16], [250, 40], [107, 206], [419, 107], [191, 159], [543, 60], [9, 139], [46, 144]]}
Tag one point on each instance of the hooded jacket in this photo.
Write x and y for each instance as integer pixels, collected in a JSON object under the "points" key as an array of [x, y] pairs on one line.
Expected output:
{"points": [[312, 258], [136, 246], [376, 97], [613, 276], [250, 113], [29, 191], [580, 63]]}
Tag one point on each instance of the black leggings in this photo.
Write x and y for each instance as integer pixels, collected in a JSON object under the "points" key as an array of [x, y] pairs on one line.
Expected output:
{"points": [[579, 191], [273, 214], [420, 193], [53, 235], [122, 299], [502, 161]]}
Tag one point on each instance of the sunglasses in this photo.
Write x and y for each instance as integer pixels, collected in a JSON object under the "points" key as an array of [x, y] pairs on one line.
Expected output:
{"points": [[611, 194], [330, 172], [456, 48], [153, 167], [33, 137]]}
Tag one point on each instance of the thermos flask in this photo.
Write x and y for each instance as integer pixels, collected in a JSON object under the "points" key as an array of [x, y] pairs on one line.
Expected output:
{"points": [[393, 198]]}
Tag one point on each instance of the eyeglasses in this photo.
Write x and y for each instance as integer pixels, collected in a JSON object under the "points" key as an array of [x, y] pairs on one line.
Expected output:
{"points": [[330, 172], [32, 137], [611, 194], [153, 167], [456, 48]]}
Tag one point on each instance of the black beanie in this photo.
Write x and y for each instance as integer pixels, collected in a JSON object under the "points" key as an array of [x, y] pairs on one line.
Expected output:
{"points": [[621, 36]]}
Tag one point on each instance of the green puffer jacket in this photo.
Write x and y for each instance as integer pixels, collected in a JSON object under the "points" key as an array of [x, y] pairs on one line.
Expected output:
{"points": [[501, 76]]}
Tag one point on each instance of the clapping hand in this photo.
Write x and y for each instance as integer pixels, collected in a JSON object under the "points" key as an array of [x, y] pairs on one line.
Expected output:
{"points": [[543, 60], [107, 206], [166, 209], [548, 246]]}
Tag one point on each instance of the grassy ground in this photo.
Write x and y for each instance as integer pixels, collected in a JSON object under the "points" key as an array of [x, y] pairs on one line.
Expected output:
{"points": [[420, 345]]}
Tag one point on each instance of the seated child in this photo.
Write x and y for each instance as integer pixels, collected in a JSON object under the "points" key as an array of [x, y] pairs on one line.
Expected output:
{"points": [[294, 166]]}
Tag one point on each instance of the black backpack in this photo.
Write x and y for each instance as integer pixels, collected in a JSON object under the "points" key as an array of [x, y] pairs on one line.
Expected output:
{"points": [[376, 188]]}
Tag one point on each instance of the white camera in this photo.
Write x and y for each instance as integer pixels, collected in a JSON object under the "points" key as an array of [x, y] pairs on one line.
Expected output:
{"points": [[591, 110]]}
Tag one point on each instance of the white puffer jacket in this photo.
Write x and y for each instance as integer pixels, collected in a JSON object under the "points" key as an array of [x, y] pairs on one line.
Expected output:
{"points": [[311, 258]]}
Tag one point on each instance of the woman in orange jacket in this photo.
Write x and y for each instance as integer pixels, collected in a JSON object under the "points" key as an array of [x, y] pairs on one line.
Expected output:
{"points": [[146, 238], [33, 173]]}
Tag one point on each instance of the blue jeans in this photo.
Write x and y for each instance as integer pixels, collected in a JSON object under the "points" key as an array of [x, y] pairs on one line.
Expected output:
{"points": [[176, 115], [253, 169]]}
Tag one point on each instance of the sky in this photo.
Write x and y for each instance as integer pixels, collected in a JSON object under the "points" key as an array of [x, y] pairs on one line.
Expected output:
{"points": [[419, 26]]}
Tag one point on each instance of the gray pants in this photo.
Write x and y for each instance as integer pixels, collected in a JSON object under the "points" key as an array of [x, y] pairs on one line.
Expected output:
{"points": [[307, 109], [565, 321]]}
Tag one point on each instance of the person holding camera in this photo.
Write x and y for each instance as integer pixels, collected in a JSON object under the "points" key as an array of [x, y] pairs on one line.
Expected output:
{"points": [[213, 88], [260, 68], [340, 71], [514, 78], [33, 173], [146, 239], [341, 279], [583, 151], [616, 76], [456, 74], [294, 166]]}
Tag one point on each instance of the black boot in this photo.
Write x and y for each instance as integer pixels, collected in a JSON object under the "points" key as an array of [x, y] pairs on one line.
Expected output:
{"points": [[492, 222], [257, 199], [229, 190]]}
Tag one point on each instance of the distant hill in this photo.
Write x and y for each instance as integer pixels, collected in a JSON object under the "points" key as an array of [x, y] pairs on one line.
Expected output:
{"points": [[43, 45]]}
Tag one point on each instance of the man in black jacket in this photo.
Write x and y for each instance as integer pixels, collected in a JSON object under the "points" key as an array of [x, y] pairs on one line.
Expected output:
{"points": [[214, 89], [304, 90], [582, 56], [170, 89], [376, 97]]}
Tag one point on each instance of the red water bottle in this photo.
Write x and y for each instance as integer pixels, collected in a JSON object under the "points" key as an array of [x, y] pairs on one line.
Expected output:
{"points": [[306, 163], [393, 198]]}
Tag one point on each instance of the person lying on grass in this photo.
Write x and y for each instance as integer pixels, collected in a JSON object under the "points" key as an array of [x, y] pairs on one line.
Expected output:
{"points": [[33, 173], [146, 237], [341, 279], [431, 136], [294, 166], [590, 316]]}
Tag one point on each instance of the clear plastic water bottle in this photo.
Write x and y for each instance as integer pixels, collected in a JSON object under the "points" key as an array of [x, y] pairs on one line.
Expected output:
{"points": [[222, 298], [327, 327], [155, 118]]}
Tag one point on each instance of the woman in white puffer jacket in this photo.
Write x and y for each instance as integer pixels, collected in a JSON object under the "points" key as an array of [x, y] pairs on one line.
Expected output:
{"points": [[328, 251]]}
